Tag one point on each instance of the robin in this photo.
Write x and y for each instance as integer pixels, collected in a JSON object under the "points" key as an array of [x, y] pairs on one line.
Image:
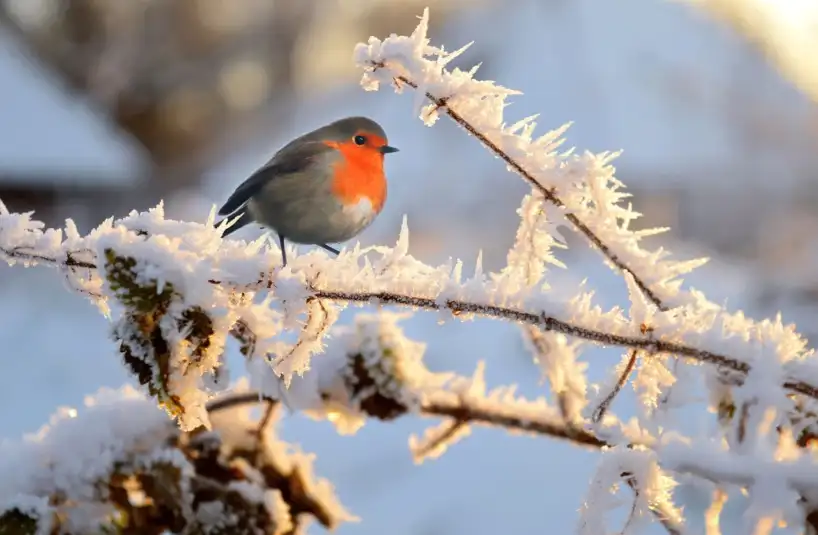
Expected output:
{"points": [[323, 187]]}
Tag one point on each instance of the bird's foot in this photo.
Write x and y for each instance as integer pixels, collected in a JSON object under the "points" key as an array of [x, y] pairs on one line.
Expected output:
{"points": [[332, 250]]}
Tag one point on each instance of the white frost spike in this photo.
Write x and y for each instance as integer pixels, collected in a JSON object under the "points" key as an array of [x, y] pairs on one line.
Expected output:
{"points": [[532, 249], [457, 273], [392, 259], [477, 387], [478, 266], [523, 123], [419, 38], [211, 216], [445, 60], [427, 113], [402, 245], [653, 492], [642, 310], [599, 499], [72, 233], [256, 245]]}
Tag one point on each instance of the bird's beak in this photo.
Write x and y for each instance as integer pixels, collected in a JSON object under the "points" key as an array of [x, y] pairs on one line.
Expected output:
{"points": [[386, 149]]}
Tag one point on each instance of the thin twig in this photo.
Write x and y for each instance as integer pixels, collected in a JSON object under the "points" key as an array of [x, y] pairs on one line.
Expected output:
{"points": [[602, 408], [497, 417], [632, 513], [453, 428], [550, 194], [266, 421]]}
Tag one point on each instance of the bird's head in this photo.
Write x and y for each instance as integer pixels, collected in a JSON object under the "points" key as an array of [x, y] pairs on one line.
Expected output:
{"points": [[358, 137]]}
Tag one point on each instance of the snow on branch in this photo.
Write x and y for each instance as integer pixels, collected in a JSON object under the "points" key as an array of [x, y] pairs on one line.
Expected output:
{"points": [[119, 466]]}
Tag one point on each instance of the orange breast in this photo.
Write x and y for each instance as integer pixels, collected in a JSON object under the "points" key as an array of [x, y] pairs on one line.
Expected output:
{"points": [[359, 174]]}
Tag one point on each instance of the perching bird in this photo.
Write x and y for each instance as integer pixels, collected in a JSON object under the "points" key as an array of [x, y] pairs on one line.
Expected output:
{"points": [[323, 187]]}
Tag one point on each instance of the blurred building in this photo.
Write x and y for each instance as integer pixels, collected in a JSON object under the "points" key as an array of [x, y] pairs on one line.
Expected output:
{"points": [[61, 155]]}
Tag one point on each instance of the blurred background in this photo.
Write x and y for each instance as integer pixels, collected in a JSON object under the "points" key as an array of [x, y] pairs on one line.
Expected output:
{"points": [[108, 106]]}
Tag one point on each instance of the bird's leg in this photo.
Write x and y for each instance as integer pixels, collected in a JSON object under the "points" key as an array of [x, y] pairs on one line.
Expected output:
{"points": [[326, 247], [283, 251]]}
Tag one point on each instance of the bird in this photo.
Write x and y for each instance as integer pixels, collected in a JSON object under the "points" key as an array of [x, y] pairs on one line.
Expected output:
{"points": [[323, 187]]}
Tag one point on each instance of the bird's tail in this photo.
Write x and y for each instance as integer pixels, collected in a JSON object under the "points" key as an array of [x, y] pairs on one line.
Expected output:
{"points": [[244, 220]]}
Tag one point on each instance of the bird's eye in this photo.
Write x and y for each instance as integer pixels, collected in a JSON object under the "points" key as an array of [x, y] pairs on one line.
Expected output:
{"points": [[359, 140]]}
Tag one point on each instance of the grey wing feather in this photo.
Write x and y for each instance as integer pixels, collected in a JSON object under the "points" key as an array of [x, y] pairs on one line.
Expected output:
{"points": [[290, 159], [245, 191]]}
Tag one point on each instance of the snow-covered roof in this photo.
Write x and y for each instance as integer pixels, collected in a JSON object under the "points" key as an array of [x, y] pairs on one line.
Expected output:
{"points": [[45, 132]]}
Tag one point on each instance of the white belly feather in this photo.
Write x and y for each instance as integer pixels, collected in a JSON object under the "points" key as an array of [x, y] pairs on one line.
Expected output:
{"points": [[361, 213]]}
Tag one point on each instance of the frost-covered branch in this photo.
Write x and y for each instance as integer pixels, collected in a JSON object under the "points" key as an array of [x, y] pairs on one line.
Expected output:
{"points": [[582, 187], [154, 266], [541, 420]]}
